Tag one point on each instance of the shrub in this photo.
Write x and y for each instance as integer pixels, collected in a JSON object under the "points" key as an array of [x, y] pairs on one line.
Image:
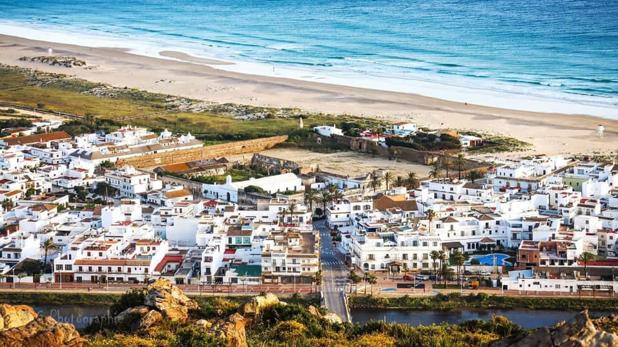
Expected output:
{"points": [[196, 337]]}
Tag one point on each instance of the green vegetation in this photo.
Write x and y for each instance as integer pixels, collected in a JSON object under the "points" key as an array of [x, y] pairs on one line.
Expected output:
{"points": [[497, 143], [427, 142], [13, 123], [114, 106], [294, 324], [455, 301], [238, 173], [37, 298]]}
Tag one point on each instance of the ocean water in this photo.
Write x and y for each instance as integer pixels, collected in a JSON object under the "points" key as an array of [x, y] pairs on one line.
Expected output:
{"points": [[550, 55]]}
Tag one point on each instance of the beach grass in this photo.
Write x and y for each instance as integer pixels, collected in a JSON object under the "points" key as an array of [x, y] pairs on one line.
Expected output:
{"points": [[130, 106]]}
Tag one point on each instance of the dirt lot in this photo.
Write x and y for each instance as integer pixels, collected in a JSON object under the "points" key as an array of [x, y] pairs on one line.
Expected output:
{"points": [[347, 163]]}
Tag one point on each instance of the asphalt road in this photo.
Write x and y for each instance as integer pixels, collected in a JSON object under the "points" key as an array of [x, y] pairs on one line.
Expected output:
{"points": [[334, 273]]}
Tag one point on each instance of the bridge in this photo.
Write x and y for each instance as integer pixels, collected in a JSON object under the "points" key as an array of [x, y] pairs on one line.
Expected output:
{"points": [[334, 275]]}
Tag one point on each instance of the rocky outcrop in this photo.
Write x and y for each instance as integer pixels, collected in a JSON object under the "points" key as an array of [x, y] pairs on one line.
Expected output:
{"points": [[12, 316], [139, 317], [329, 316], [41, 332], [233, 330], [253, 309], [580, 331], [162, 300], [166, 298]]}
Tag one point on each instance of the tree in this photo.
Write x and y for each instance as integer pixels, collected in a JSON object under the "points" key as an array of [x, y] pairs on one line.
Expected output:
{"points": [[325, 198], [254, 189], [105, 189], [585, 258], [48, 245], [335, 193], [375, 182], [474, 175], [442, 257], [399, 181], [460, 161], [431, 214], [388, 177], [317, 278], [458, 259], [354, 278], [412, 181], [7, 204], [436, 169], [310, 197], [291, 208], [447, 165], [434, 255], [371, 279], [30, 192]]}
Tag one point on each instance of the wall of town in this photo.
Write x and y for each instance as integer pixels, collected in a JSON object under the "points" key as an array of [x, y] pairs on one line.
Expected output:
{"points": [[207, 152], [396, 152]]}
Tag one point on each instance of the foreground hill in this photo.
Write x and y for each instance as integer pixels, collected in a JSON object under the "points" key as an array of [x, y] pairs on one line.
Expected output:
{"points": [[162, 315]]}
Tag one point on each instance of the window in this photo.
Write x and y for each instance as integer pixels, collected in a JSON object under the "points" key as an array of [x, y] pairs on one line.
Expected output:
{"points": [[58, 267]]}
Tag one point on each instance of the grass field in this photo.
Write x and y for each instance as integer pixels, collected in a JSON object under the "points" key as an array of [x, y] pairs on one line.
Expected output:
{"points": [[128, 106]]}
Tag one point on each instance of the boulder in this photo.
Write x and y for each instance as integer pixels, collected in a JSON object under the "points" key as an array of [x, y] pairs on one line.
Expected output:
{"points": [[232, 330], [330, 316], [148, 320], [12, 316], [41, 332], [580, 331], [132, 313], [166, 298], [254, 308]]}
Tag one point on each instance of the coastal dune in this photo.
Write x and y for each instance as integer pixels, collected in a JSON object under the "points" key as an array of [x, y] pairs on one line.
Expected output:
{"points": [[180, 74]]}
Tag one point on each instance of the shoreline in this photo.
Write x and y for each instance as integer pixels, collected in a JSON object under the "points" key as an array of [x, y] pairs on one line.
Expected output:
{"points": [[550, 133]]}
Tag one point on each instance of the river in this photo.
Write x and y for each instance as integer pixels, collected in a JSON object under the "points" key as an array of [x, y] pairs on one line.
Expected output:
{"points": [[79, 315], [528, 319], [82, 315]]}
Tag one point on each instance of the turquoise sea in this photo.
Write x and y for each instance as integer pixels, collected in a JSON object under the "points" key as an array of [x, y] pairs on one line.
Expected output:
{"points": [[550, 55]]}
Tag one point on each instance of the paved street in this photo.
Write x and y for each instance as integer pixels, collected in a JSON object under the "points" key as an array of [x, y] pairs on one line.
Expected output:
{"points": [[334, 273]]}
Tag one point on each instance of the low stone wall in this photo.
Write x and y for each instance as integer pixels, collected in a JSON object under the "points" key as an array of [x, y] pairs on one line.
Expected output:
{"points": [[207, 152], [397, 152]]}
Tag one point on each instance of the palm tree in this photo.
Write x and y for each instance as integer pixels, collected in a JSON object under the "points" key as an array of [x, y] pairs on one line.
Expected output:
{"points": [[291, 208], [442, 257], [447, 165], [399, 181], [458, 259], [434, 255], [412, 181], [585, 258], [431, 214], [375, 182], [310, 196], [335, 193], [460, 161], [48, 245], [325, 198], [388, 177], [445, 268], [354, 278], [371, 279], [436, 169]]}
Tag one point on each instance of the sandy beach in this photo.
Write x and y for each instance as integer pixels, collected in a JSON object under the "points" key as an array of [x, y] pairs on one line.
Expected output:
{"points": [[199, 78]]}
